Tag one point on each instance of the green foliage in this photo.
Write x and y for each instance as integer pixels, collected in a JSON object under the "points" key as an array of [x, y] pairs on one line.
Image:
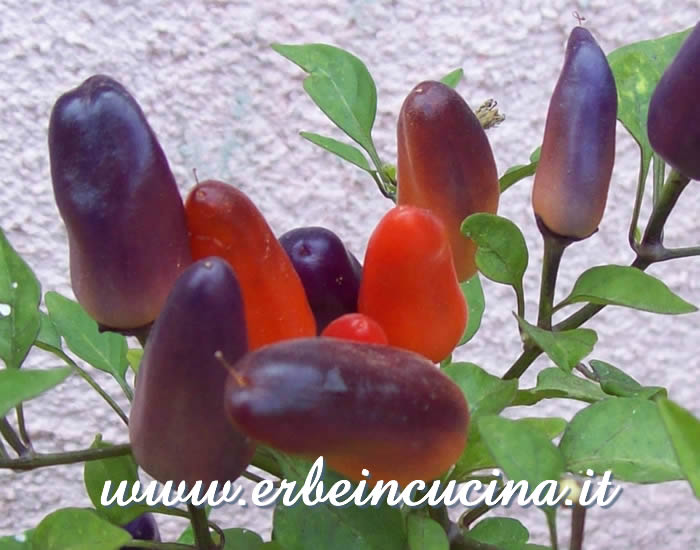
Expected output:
{"points": [[476, 303], [626, 286], [624, 435], [116, 470], [615, 382], [103, 350], [565, 348], [453, 78], [684, 431], [347, 152], [78, 529], [425, 534], [17, 386], [554, 383], [519, 172], [341, 86], [637, 69], [521, 451], [505, 533], [324, 526], [502, 253], [19, 306]]}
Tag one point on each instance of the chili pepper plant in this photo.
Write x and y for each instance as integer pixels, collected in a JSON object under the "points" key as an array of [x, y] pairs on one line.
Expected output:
{"points": [[237, 348]]}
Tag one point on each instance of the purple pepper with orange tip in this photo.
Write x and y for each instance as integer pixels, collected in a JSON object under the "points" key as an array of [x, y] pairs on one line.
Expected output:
{"points": [[673, 125], [358, 405], [123, 212], [177, 426], [445, 164], [578, 150]]}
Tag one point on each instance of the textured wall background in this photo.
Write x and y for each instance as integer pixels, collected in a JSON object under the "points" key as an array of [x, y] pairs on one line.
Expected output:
{"points": [[223, 102]]}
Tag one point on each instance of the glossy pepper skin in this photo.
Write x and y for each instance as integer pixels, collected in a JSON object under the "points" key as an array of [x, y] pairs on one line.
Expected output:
{"points": [[358, 405], [409, 284], [673, 125], [356, 327], [143, 527], [118, 198], [578, 150], [329, 272], [224, 222], [177, 426], [445, 164]]}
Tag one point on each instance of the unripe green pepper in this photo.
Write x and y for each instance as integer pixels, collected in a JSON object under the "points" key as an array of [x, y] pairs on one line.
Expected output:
{"points": [[358, 405], [578, 150], [118, 198], [673, 125], [177, 426], [445, 164]]}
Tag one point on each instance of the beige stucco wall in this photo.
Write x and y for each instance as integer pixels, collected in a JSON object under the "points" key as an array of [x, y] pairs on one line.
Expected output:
{"points": [[223, 102]]}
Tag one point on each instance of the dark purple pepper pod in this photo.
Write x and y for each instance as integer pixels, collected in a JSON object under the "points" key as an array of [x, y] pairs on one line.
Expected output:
{"points": [[118, 198], [578, 150], [177, 426], [143, 527], [673, 124], [329, 272]]}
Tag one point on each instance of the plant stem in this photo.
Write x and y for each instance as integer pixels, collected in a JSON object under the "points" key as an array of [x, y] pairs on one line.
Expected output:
{"points": [[641, 184], [200, 526], [22, 427], [10, 435], [578, 523], [649, 251], [554, 247], [529, 354], [659, 171], [86, 376], [31, 462], [552, 525], [670, 193]]}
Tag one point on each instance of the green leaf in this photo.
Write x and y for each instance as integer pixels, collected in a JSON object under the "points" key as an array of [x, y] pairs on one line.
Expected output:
{"points": [[78, 529], [425, 534], [626, 286], [502, 532], [615, 382], [105, 351], [346, 152], [116, 470], [554, 383], [565, 348], [242, 539], [17, 386], [521, 451], [340, 84], [502, 253], [17, 542], [551, 426], [624, 435], [453, 78], [48, 335], [476, 303], [637, 69], [519, 172], [133, 357], [684, 431], [485, 393], [325, 526], [20, 295], [476, 455]]}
